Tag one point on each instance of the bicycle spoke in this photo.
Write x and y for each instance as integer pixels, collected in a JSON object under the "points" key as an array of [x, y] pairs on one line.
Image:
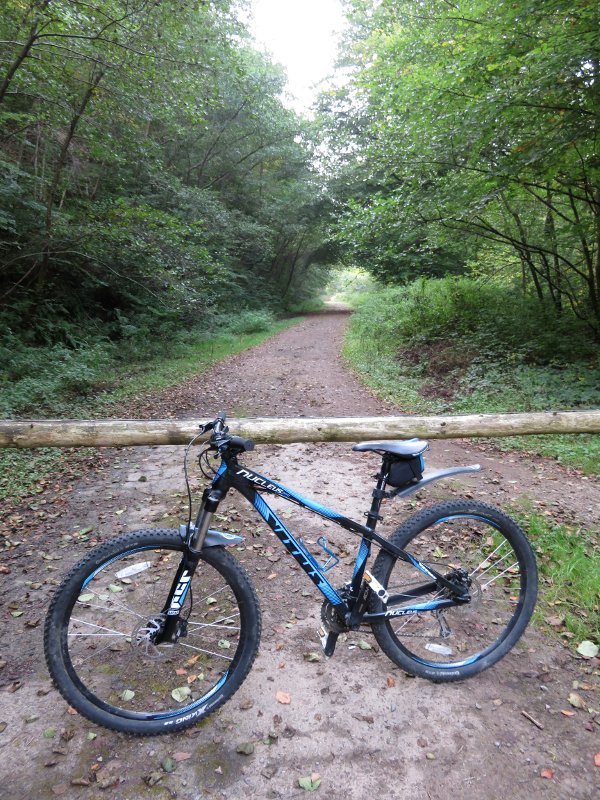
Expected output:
{"points": [[101, 627], [202, 650]]}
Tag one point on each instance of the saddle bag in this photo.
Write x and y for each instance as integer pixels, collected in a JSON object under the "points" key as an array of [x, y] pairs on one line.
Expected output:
{"points": [[405, 471]]}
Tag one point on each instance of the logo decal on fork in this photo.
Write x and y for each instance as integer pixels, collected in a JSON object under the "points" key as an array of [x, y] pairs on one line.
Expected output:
{"points": [[180, 594]]}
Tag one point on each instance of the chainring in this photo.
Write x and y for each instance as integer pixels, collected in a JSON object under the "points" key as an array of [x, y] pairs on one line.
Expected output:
{"points": [[331, 618]]}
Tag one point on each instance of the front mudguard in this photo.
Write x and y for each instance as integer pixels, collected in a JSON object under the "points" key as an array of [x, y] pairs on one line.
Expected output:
{"points": [[214, 538]]}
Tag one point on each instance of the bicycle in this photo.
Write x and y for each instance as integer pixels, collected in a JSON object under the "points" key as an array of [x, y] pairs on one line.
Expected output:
{"points": [[156, 629]]}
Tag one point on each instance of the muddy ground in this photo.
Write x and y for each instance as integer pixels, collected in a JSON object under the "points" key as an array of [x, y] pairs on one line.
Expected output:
{"points": [[356, 721]]}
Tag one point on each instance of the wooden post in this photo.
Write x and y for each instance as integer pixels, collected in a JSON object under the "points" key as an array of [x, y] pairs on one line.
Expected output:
{"points": [[116, 432]]}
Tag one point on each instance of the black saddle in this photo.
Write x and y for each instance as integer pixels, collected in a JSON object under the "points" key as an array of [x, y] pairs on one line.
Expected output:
{"points": [[401, 449]]}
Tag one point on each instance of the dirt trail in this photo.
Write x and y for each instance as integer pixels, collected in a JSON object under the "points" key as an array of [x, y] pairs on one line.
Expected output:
{"points": [[356, 720]]}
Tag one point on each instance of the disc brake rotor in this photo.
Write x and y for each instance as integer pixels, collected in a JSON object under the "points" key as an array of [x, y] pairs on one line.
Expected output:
{"points": [[144, 636]]}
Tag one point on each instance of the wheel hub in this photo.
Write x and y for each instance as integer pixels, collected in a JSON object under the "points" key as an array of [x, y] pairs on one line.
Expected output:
{"points": [[144, 636]]}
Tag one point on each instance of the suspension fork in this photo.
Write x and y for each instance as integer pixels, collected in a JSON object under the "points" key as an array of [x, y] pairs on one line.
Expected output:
{"points": [[178, 592], [174, 626]]}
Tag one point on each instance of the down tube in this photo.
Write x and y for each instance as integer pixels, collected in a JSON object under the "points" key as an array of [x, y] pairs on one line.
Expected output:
{"points": [[306, 560]]}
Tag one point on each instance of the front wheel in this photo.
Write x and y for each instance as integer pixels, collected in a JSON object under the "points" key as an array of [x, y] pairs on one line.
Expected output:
{"points": [[491, 552], [102, 641]]}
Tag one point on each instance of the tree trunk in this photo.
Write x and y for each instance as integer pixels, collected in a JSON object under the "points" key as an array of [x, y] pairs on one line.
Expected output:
{"points": [[116, 433], [44, 266]]}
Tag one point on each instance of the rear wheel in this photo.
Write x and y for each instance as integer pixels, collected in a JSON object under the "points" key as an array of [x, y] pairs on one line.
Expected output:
{"points": [[464, 540], [101, 632]]}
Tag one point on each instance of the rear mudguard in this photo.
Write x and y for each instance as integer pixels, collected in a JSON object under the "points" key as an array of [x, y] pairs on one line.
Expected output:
{"points": [[214, 538], [436, 475]]}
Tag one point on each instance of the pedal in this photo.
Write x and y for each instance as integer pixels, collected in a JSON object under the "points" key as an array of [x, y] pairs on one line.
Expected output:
{"points": [[376, 587], [328, 641]]}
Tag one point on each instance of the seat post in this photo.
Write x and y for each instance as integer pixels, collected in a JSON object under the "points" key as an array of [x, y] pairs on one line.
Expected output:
{"points": [[373, 515]]}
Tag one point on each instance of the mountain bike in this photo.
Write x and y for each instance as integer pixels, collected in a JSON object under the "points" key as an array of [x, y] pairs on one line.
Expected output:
{"points": [[156, 629]]}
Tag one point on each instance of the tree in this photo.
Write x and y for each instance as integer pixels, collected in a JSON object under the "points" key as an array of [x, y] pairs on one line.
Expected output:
{"points": [[483, 123]]}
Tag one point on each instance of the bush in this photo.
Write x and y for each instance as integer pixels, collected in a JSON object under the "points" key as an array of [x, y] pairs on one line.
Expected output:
{"points": [[458, 345], [248, 321]]}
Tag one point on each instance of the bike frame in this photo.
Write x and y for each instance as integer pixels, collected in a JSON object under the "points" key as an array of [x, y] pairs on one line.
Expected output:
{"points": [[232, 475]]}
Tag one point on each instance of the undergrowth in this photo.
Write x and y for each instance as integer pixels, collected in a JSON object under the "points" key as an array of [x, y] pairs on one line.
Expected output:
{"points": [[456, 346]]}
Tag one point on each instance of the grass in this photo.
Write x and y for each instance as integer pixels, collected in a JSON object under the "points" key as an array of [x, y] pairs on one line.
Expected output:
{"points": [[569, 601]]}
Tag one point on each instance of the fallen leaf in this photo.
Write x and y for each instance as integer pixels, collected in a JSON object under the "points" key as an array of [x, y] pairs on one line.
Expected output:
{"points": [[588, 649], [567, 713], [577, 701], [180, 671], [71, 711], [80, 782], [556, 622], [181, 756], [127, 694], [246, 704], [223, 644], [181, 693], [284, 698], [364, 645], [245, 748], [391, 681], [310, 783], [597, 760], [60, 788], [168, 764], [547, 773], [312, 657], [49, 733]]}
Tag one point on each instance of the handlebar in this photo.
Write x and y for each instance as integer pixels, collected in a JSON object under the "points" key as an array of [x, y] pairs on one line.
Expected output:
{"points": [[217, 425], [220, 440]]}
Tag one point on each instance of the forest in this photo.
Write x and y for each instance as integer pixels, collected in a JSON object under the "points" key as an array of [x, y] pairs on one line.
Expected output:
{"points": [[156, 190]]}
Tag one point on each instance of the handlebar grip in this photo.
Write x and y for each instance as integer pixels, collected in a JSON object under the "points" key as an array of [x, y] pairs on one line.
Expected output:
{"points": [[219, 423]]}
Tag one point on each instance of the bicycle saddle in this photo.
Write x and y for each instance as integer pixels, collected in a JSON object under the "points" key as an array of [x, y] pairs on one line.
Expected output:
{"points": [[402, 449]]}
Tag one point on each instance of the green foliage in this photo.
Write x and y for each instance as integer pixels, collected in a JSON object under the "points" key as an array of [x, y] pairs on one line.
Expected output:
{"points": [[250, 322], [79, 379], [150, 177], [463, 346], [468, 125]]}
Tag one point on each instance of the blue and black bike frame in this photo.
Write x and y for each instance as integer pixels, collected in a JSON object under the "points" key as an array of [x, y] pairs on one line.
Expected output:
{"points": [[351, 607]]}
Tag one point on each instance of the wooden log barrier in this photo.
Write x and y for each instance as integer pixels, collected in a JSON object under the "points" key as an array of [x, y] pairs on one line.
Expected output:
{"points": [[122, 432]]}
